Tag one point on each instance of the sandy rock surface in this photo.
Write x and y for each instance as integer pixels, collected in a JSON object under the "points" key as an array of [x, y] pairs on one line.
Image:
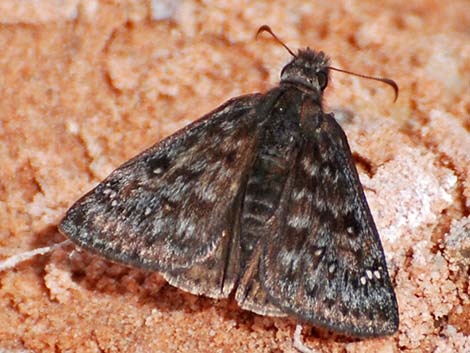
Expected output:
{"points": [[86, 85]]}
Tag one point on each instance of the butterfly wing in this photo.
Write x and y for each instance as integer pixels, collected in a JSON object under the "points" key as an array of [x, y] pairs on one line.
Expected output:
{"points": [[174, 208], [325, 263]]}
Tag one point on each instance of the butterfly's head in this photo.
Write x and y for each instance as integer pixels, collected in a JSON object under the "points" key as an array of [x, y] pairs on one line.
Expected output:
{"points": [[309, 69]]}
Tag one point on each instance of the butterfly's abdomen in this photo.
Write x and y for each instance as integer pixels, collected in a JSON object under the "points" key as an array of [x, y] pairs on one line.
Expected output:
{"points": [[279, 145], [263, 190]]}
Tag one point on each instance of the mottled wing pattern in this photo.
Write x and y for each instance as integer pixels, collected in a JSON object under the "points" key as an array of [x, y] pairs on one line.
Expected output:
{"points": [[174, 208], [324, 263]]}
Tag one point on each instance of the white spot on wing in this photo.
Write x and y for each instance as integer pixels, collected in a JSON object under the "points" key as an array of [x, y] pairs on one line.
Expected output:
{"points": [[298, 195], [298, 222], [289, 258], [185, 226], [331, 268], [110, 193], [308, 166]]}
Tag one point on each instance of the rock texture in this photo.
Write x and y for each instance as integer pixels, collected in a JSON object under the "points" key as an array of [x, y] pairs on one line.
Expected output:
{"points": [[85, 85]]}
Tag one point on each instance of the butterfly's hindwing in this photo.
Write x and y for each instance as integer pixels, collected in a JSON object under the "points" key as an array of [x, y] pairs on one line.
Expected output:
{"points": [[324, 262]]}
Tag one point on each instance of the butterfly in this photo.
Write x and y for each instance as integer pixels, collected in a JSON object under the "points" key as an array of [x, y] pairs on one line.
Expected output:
{"points": [[260, 198]]}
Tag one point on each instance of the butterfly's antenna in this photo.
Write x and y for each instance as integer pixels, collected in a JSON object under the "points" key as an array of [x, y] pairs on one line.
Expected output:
{"points": [[387, 81], [390, 82], [266, 28]]}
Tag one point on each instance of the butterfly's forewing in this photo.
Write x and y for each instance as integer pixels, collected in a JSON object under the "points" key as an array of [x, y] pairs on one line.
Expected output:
{"points": [[174, 208], [325, 263]]}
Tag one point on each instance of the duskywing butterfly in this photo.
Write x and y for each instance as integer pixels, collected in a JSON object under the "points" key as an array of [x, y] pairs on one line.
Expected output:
{"points": [[260, 198]]}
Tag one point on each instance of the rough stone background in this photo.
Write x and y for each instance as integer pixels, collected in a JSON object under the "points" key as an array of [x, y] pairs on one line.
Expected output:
{"points": [[85, 85]]}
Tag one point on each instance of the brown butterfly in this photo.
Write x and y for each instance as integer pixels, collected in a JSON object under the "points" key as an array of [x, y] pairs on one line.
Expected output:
{"points": [[260, 197]]}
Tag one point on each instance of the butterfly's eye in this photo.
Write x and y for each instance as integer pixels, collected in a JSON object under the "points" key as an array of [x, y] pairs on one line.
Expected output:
{"points": [[322, 79]]}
